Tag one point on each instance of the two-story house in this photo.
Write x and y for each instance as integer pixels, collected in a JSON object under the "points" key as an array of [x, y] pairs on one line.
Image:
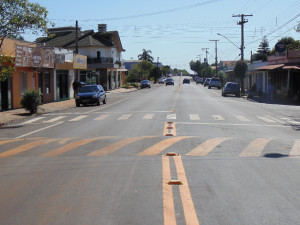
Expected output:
{"points": [[102, 48]]}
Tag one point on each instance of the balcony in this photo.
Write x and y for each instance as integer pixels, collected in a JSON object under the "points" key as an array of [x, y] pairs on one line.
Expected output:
{"points": [[102, 62]]}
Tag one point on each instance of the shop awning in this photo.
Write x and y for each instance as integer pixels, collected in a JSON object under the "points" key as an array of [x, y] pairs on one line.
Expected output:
{"points": [[291, 68], [269, 67]]}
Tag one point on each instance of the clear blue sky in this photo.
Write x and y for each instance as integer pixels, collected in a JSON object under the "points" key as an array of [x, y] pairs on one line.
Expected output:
{"points": [[176, 31]]}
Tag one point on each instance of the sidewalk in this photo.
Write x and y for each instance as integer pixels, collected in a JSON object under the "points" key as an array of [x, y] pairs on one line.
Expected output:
{"points": [[13, 115]]}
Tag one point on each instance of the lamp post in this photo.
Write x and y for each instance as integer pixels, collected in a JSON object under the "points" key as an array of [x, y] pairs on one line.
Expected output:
{"points": [[157, 61]]}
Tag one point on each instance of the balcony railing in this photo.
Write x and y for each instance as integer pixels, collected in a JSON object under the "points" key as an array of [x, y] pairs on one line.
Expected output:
{"points": [[101, 60]]}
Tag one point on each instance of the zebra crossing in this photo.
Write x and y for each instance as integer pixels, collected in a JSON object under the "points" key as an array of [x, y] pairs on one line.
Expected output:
{"points": [[168, 116], [190, 146]]}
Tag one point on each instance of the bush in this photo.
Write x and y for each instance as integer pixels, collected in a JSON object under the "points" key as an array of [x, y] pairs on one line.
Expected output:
{"points": [[31, 100]]}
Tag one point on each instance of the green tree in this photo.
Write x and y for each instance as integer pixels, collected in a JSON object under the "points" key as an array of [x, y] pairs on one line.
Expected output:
{"points": [[140, 71], [290, 42], [196, 66], [146, 55], [239, 72], [165, 70], [155, 73], [17, 16], [263, 51]]}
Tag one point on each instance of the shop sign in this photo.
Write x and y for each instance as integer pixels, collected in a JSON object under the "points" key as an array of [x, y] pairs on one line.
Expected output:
{"points": [[80, 62], [34, 57]]}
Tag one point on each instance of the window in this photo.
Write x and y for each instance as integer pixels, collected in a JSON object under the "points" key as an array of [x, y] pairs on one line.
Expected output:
{"points": [[24, 85], [47, 83]]}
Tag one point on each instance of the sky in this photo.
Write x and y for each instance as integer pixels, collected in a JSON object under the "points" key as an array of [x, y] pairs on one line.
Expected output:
{"points": [[177, 31]]}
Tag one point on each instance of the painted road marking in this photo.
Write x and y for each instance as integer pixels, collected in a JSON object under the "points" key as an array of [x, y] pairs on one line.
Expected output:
{"points": [[242, 118], [102, 117], [266, 119], [55, 119], [69, 147], [295, 152], [25, 147], [161, 146], [255, 148], [206, 147], [171, 117], [218, 117], [125, 117], [148, 117], [78, 118], [186, 197], [116, 146], [194, 117], [169, 129], [33, 120]]}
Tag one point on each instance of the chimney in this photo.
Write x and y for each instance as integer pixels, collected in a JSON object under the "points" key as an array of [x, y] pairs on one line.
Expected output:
{"points": [[101, 28]]}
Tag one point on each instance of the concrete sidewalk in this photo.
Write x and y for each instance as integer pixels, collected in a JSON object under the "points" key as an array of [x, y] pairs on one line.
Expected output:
{"points": [[13, 115]]}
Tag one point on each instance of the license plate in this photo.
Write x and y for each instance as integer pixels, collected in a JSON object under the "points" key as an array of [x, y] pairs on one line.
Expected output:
{"points": [[85, 100]]}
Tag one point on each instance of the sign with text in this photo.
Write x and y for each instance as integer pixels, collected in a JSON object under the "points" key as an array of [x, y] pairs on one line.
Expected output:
{"points": [[80, 62], [34, 57]]}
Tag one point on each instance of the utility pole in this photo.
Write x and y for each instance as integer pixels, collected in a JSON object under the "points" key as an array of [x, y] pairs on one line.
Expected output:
{"points": [[205, 49], [76, 38], [216, 59]]}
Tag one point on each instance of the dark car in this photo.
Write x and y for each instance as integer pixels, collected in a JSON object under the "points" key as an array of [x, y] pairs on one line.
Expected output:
{"points": [[186, 81], [206, 82], [214, 82], [169, 81], [231, 88], [90, 94], [145, 84]]}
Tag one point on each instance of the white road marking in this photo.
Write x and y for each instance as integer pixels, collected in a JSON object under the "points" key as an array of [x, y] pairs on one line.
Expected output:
{"points": [[54, 119], [148, 117], [194, 117], [171, 117], [78, 118], [125, 117], [268, 120], [295, 152], [33, 120], [102, 117], [218, 117], [242, 118], [103, 107], [255, 148]]}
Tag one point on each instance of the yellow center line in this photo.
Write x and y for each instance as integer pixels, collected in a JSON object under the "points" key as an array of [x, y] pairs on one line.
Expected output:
{"points": [[70, 146], [161, 146], [168, 202], [25, 147], [186, 197], [116, 146], [206, 147]]}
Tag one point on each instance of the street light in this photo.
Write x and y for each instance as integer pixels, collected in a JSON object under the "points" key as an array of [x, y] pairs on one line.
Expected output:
{"points": [[229, 41]]}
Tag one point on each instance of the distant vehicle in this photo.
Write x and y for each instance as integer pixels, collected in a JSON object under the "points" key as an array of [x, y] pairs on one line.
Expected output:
{"points": [[186, 81], [145, 84], [231, 88], [169, 81], [207, 80], [214, 82], [161, 81], [90, 94], [199, 80]]}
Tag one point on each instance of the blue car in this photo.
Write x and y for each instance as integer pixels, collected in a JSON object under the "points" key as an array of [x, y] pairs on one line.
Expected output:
{"points": [[90, 94]]}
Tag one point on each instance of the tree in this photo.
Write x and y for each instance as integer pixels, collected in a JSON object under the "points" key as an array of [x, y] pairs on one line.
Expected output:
{"points": [[239, 71], [140, 71], [155, 73], [196, 67], [165, 70], [290, 42], [17, 16], [146, 55], [263, 50]]}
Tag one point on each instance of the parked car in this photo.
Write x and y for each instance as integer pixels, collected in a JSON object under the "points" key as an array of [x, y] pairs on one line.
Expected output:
{"points": [[214, 82], [207, 80], [161, 81], [90, 94], [169, 81], [186, 81], [199, 80], [231, 88], [145, 84]]}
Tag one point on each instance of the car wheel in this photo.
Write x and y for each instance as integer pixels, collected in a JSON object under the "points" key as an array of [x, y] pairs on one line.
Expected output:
{"points": [[77, 104], [209, 87]]}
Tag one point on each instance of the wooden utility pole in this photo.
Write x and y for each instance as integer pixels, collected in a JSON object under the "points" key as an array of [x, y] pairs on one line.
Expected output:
{"points": [[205, 49], [216, 59]]}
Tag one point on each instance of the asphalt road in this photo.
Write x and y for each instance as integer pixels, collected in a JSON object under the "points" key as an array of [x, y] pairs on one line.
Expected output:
{"points": [[179, 154]]}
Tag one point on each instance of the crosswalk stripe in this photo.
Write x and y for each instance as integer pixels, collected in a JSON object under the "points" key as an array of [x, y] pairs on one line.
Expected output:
{"points": [[255, 148], [102, 117], [33, 120], [148, 117], [218, 117], [116, 146], [295, 152], [125, 117], [206, 147], [242, 118], [25, 147], [161, 146], [171, 117], [194, 117], [268, 120], [55, 119], [70, 146], [78, 118]]}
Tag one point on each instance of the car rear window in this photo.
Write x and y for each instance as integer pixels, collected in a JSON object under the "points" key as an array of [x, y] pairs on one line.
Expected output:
{"points": [[89, 89]]}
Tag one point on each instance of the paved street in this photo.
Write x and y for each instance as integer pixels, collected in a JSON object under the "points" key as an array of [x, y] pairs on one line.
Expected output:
{"points": [[232, 161]]}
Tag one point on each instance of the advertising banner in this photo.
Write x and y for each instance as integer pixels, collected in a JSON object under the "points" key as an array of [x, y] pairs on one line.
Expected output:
{"points": [[80, 62], [34, 57]]}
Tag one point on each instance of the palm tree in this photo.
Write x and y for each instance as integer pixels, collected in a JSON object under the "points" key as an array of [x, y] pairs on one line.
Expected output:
{"points": [[146, 55]]}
